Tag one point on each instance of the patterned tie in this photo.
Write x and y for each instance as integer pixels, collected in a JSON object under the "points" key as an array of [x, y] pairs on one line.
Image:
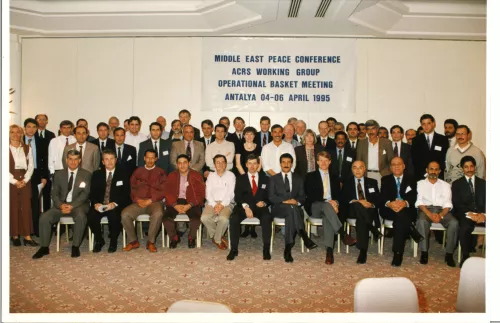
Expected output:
{"points": [[102, 146], [428, 143], [67, 143], [361, 195], [70, 185], [208, 142], [398, 187], [326, 183], [81, 151], [29, 141], [119, 155], [188, 150], [339, 161], [287, 184], [396, 153], [264, 140], [254, 186], [471, 187], [301, 140], [108, 189], [324, 142], [156, 149]]}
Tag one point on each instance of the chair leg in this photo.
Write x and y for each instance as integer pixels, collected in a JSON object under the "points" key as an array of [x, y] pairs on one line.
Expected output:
{"points": [[484, 245], [348, 232], [308, 231], [58, 235], [338, 242], [444, 239], [124, 238], [272, 237], [140, 230], [459, 252], [381, 246], [67, 233], [91, 240], [198, 235], [415, 249], [162, 236]]}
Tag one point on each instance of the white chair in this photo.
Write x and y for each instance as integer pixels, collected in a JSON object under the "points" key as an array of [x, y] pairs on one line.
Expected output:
{"points": [[387, 224], [318, 222], [352, 223], [186, 306], [471, 287], [104, 220], [477, 231], [144, 218], [280, 222], [389, 294], [434, 227], [247, 221], [185, 218], [65, 220]]}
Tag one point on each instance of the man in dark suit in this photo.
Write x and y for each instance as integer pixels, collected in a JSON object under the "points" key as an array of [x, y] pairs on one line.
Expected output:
{"points": [[286, 193], [71, 198], [342, 158], [398, 197], [359, 199], [44, 133], [109, 195], [323, 139], [401, 149], [185, 118], [324, 203], [162, 147], [469, 203], [237, 137], [126, 155], [251, 197], [103, 141], [39, 147], [352, 132], [207, 126], [263, 136]]}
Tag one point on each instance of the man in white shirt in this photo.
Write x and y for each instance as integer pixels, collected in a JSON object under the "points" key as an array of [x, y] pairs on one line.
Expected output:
{"points": [[219, 147], [220, 201], [434, 204], [134, 137], [271, 153], [56, 146]]}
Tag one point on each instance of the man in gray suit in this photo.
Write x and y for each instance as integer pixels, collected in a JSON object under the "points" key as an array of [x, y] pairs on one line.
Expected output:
{"points": [[89, 152], [194, 149], [161, 146], [70, 194]]}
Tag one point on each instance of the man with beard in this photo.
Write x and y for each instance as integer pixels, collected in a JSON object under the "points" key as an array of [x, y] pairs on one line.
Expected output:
{"points": [[450, 128], [410, 134], [176, 130]]}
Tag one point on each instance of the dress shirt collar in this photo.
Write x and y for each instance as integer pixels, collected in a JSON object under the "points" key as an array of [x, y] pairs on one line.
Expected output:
{"points": [[112, 172], [463, 149], [362, 181], [289, 175], [396, 142], [79, 144], [473, 179], [74, 173], [256, 177], [430, 135], [322, 172], [400, 178]]}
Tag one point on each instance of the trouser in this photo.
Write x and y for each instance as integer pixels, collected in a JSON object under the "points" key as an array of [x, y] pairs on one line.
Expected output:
{"points": [[331, 221], [261, 213], [465, 235], [294, 220], [194, 214], [114, 219], [46, 195], [216, 224], [401, 226], [35, 201], [449, 222], [53, 215], [364, 222], [131, 212]]}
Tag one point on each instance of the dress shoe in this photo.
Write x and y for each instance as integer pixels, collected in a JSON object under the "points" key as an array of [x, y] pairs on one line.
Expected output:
{"points": [[43, 251], [253, 234], [376, 234], [232, 254], [16, 241], [98, 244], [329, 256], [348, 240], [112, 248], [224, 242], [415, 235], [307, 241], [131, 245], [75, 252], [266, 255], [448, 259], [221, 245], [174, 242], [31, 243], [424, 257], [362, 257], [246, 232], [191, 242], [397, 260], [151, 247], [288, 253]]}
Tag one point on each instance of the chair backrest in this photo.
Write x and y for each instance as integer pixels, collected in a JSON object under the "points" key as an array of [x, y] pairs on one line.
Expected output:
{"points": [[186, 306], [390, 294], [471, 287]]}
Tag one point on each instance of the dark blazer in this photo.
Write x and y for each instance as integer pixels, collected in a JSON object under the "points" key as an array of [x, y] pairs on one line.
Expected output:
{"points": [[349, 193], [202, 139], [110, 144], [164, 154], [421, 155], [348, 157], [330, 143], [462, 199], [407, 191], [42, 155], [243, 191], [301, 159], [129, 158], [120, 188], [232, 137], [258, 140], [314, 188], [49, 135], [278, 194], [196, 133], [81, 188]]}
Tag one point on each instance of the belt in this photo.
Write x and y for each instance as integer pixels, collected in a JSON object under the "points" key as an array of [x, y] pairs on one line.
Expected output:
{"points": [[372, 171]]}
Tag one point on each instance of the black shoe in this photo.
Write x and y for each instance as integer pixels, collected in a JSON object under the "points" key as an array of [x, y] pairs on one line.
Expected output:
{"points": [[43, 251], [266, 255], [75, 252], [376, 234], [415, 235], [253, 234], [112, 248], [397, 260], [329, 256], [288, 253], [174, 242], [31, 243], [307, 241], [191, 242], [424, 257], [448, 259], [362, 257], [232, 254], [98, 244], [245, 233], [16, 242]]}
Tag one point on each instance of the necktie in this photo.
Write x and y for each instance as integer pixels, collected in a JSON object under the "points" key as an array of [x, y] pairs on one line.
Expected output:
{"points": [[29, 142], [428, 142], [81, 151], [41, 133], [102, 146], [361, 195], [471, 187], [188, 150], [301, 140], [254, 186], [287, 184], [326, 181], [239, 136], [398, 187], [396, 154], [67, 143], [324, 142], [339, 161], [156, 149], [208, 142], [70, 185], [353, 145], [108, 189], [119, 155], [264, 140]]}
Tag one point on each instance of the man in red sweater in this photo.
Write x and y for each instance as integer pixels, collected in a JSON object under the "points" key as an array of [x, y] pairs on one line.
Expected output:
{"points": [[185, 194], [147, 186]]}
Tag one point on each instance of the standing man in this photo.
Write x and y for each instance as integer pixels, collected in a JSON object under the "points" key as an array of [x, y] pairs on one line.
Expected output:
{"points": [[89, 153], [410, 134], [362, 131], [109, 195], [126, 155], [83, 122], [160, 146], [434, 205], [323, 139], [353, 132], [103, 141], [271, 153], [207, 126], [225, 121], [56, 146], [165, 134], [342, 158], [147, 185], [288, 136], [175, 130], [134, 137], [339, 126], [331, 126], [43, 132], [383, 133], [300, 131], [185, 118], [450, 128], [113, 123], [190, 147], [126, 125], [263, 136], [219, 147], [237, 137], [70, 194], [401, 149]]}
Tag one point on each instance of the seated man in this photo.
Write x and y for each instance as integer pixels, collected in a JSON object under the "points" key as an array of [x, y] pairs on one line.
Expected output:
{"points": [[70, 194], [399, 194], [469, 203], [251, 198], [109, 195], [323, 192], [434, 205], [359, 199], [147, 185], [185, 194], [220, 199], [286, 193]]}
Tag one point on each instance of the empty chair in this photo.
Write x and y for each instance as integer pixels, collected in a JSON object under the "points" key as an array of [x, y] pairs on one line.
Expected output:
{"points": [[186, 306], [471, 287], [390, 294]]}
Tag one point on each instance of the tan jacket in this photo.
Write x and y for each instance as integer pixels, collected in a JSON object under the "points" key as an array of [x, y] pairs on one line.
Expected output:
{"points": [[385, 154]]}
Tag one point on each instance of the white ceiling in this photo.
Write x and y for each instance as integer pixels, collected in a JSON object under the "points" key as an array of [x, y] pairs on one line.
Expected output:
{"points": [[422, 19]]}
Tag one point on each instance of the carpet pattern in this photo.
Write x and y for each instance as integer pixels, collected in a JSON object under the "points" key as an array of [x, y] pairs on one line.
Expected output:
{"points": [[141, 282]]}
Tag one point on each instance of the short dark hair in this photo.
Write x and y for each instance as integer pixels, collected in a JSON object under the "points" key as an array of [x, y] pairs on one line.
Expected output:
{"points": [[183, 156], [372, 123], [411, 129], [264, 118], [30, 120], [220, 156], [208, 122], [383, 128], [419, 129], [184, 111], [187, 125], [463, 126], [341, 133], [467, 158], [276, 126], [451, 121], [286, 155], [150, 151], [108, 151], [250, 129], [427, 116], [352, 123], [102, 124], [174, 121], [134, 118], [65, 123], [73, 152], [238, 118], [224, 118], [361, 125], [118, 129], [86, 130], [253, 157], [399, 127], [220, 125], [331, 119], [81, 119], [126, 121], [155, 124], [42, 114]]}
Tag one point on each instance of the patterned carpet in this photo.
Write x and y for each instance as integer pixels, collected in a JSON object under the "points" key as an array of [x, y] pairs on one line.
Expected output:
{"points": [[140, 282]]}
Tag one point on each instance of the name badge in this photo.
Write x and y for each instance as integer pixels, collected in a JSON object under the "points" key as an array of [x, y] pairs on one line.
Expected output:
{"points": [[383, 153], [408, 189], [187, 184], [119, 183], [129, 158], [263, 186], [82, 185], [438, 148], [165, 153], [349, 159], [371, 190]]}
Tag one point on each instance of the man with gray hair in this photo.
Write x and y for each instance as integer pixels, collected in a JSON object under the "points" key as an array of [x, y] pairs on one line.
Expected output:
{"points": [[289, 137], [300, 131], [375, 152]]}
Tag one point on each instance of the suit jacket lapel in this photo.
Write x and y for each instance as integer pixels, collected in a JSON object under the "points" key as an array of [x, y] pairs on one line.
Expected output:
{"points": [[380, 154]]}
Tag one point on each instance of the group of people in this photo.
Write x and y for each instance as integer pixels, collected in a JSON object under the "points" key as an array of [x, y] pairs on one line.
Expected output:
{"points": [[220, 179]]}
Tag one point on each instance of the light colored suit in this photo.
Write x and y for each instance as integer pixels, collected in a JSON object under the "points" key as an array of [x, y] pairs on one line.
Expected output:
{"points": [[385, 154], [91, 156], [197, 157]]}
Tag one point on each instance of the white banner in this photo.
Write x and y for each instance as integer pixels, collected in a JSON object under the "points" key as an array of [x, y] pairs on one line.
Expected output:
{"points": [[279, 74]]}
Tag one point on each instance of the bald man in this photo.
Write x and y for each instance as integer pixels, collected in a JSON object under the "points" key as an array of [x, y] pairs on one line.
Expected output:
{"points": [[161, 120]]}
